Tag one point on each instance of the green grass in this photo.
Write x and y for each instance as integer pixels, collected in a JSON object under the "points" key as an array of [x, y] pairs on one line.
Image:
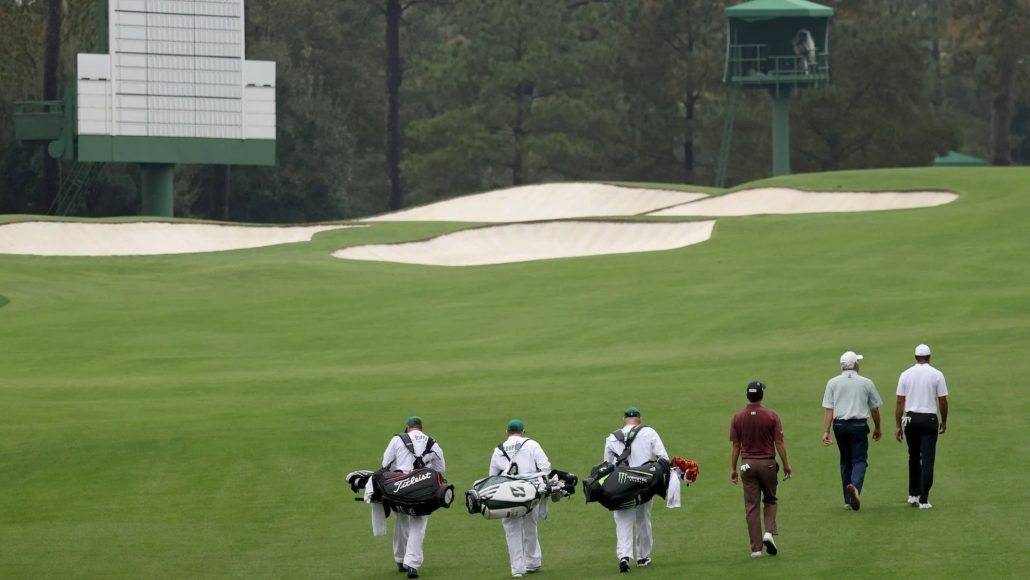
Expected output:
{"points": [[688, 187], [193, 416]]}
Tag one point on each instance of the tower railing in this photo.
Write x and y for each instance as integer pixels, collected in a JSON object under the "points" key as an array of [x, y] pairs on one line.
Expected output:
{"points": [[752, 66]]}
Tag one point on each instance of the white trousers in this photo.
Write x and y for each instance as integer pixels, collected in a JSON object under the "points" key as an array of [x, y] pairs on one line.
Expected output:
{"points": [[523, 543], [625, 520], [408, 534]]}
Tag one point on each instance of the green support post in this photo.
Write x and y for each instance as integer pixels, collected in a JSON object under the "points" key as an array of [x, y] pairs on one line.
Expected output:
{"points": [[781, 132], [102, 31], [158, 189]]}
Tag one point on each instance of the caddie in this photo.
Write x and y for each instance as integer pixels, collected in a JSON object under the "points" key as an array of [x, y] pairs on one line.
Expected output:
{"points": [[520, 455], [645, 445], [405, 452]]}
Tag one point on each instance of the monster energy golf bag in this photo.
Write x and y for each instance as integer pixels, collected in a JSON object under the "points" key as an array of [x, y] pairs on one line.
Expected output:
{"points": [[503, 496], [618, 486], [622, 487]]}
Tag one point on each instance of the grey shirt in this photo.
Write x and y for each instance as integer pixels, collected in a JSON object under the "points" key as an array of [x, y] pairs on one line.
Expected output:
{"points": [[851, 395]]}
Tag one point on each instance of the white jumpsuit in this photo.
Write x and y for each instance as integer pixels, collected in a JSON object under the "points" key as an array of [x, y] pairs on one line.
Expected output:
{"points": [[410, 531], [646, 447], [521, 533]]}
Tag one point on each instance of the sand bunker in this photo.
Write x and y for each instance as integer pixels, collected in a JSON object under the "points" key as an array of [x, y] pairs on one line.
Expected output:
{"points": [[544, 202], [790, 201], [143, 238], [536, 241]]}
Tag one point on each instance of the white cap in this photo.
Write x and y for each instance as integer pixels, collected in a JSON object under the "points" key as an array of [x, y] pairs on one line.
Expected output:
{"points": [[848, 360], [922, 350]]}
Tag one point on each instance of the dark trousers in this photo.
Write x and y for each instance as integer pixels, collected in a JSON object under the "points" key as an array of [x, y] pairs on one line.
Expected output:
{"points": [[853, 443], [921, 434], [759, 482]]}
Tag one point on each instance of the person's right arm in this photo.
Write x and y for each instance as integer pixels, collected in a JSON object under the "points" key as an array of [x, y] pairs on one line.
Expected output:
{"points": [[942, 404], [440, 465], [781, 448]]}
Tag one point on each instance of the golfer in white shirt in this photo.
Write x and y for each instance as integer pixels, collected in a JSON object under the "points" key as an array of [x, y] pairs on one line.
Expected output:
{"points": [[922, 391]]}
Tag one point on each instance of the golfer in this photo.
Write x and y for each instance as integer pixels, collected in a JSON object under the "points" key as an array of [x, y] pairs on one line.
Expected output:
{"points": [[849, 400], [520, 455], [922, 391], [756, 432], [410, 531], [646, 446]]}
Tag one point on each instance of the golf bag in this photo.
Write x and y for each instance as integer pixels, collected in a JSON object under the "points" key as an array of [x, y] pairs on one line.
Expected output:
{"points": [[622, 487], [419, 492], [502, 496], [618, 486]]}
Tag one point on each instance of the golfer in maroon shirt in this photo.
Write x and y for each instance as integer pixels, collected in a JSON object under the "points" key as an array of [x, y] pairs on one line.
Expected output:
{"points": [[755, 433]]}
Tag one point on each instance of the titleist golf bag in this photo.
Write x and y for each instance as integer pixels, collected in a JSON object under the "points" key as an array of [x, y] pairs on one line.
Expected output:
{"points": [[618, 486], [503, 496], [418, 492]]}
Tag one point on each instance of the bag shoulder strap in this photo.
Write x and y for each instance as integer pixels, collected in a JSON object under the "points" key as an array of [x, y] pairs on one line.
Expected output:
{"points": [[420, 460], [514, 453], [627, 439]]}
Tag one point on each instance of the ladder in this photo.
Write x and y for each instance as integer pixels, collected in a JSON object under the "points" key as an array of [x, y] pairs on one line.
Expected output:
{"points": [[74, 184], [727, 134]]}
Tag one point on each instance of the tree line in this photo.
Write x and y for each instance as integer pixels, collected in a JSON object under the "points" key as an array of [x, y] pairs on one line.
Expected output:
{"points": [[388, 103]]}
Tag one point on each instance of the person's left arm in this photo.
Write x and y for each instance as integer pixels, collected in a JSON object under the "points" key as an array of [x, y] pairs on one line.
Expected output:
{"points": [[827, 420], [734, 455], [899, 410], [828, 413], [390, 455]]}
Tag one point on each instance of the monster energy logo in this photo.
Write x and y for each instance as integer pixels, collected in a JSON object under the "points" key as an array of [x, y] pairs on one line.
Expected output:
{"points": [[625, 476]]}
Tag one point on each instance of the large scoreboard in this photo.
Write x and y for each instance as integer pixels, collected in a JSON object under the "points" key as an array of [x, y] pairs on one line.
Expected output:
{"points": [[175, 87]]}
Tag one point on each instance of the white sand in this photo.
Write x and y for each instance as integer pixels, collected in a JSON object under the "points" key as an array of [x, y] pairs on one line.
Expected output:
{"points": [[536, 241], [143, 238], [791, 201], [544, 202]]}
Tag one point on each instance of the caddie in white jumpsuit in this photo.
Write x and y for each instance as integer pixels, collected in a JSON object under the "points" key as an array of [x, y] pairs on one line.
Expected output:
{"points": [[410, 531], [524, 456], [646, 447]]}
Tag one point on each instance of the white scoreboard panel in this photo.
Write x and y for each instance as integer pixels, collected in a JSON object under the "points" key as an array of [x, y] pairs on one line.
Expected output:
{"points": [[176, 69]]}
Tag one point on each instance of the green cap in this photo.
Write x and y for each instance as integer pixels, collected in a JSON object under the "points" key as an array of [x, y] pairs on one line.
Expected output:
{"points": [[414, 421], [631, 412], [516, 425]]}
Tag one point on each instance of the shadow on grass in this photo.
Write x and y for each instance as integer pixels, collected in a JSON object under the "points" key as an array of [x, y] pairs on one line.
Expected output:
{"points": [[3, 301]]}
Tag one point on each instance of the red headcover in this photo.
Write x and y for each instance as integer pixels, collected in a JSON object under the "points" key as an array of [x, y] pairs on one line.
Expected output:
{"points": [[689, 467]]}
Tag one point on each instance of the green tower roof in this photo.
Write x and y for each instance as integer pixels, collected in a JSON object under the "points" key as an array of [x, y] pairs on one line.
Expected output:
{"points": [[774, 8]]}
